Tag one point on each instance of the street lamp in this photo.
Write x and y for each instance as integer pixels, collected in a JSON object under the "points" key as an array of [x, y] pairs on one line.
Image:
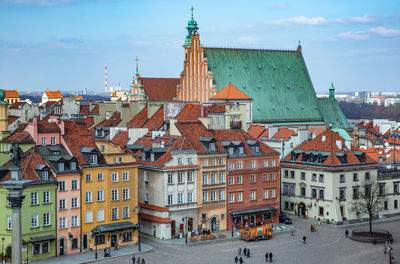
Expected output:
{"points": [[95, 233], [26, 244], [138, 210], [2, 250]]}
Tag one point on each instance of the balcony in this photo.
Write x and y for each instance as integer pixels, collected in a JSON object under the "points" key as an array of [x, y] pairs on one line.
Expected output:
{"points": [[236, 124]]}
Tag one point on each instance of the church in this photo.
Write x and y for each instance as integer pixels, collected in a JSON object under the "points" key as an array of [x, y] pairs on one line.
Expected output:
{"points": [[277, 81]]}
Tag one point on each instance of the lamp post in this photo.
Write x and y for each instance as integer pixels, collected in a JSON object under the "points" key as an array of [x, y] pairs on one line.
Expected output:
{"points": [[26, 244], [138, 210], [232, 224], [95, 243], [2, 250], [186, 223]]}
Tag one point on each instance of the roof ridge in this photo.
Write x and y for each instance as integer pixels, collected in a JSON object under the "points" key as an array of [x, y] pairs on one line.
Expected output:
{"points": [[29, 160], [251, 49]]}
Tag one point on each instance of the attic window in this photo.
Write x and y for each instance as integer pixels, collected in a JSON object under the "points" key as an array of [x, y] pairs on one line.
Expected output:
{"points": [[257, 149], [241, 150], [45, 175], [230, 150], [93, 159], [152, 157], [212, 146], [72, 166], [61, 166]]}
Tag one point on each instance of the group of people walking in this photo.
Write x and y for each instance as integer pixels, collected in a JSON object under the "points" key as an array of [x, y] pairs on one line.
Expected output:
{"points": [[137, 260], [246, 253]]}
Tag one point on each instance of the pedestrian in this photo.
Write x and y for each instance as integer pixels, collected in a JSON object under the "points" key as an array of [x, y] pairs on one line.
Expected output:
{"points": [[248, 252], [270, 256], [143, 262], [319, 221], [315, 229], [133, 259], [346, 233], [116, 246], [240, 260], [304, 239], [138, 260], [384, 249], [266, 257], [292, 231], [244, 252], [311, 228], [236, 260], [239, 251]]}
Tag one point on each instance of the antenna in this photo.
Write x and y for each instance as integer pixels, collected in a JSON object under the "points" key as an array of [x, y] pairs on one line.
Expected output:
{"points": [[105, 79]]}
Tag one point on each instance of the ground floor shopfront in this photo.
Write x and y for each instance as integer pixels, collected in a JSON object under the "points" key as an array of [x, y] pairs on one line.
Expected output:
{"points": [[212, 217], [250, 217]]}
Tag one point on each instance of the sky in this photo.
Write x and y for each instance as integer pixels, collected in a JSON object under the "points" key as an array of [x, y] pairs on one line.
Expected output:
{"points": [[65, 44]]}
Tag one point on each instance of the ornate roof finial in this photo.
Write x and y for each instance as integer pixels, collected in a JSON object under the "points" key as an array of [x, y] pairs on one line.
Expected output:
{"points": [[299, 48], [192, 10], [332, 92]]}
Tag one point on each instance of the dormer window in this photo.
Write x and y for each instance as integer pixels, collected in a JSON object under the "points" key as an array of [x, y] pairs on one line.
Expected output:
{"points": [[180, 161], [212, 146], [61, 166], [152, 157], [72, 166], [257, 149], [93, 159], [53, 141], [230, 150], [241, 150], [45, 175]]}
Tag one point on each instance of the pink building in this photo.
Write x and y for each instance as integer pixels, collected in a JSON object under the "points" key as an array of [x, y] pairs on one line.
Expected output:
{"points": [[44, 132]]}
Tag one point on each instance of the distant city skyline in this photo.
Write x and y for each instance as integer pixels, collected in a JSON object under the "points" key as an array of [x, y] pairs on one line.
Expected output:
{"points": [[65, 44]]}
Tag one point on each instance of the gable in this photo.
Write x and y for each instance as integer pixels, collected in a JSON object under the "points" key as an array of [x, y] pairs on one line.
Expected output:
{"points": [[277, 81]]}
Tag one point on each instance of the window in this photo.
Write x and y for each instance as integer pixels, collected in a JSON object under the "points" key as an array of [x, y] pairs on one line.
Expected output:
{"points": [[257, 149], [125, 194], [46, 197], [205, 162], [180, 198], [252, 164], [321, 211], [170, 199], [238, 165], [100, 195], [367, 176], [231, 180], [43, 141], [265, 163], [205, 197], [385, 205], [291, 174], [34, 221], [74, 202], [231, 166], [102, 148], [395, 204], [213, 196], [190, 160], [190, 176], [114, 177], [355, 193], [36, 248], [45, 175], [180, 161], [221, 161], [170, 178], [146, 177], [272, 192], [292, 190], [239, 197], [321, 178], [46, 219], [34, 198], [125, 176], [114, 213], [221, 195], [213, 162], [286, 174], [303, 191], [205, 179], [93, 159], [88, 177], [342, 194], [252, 195], [180, 177], [9, 222], [230, 150], [265, 194], [272, 176], [88, 197], [252, 178], [74, 244], [62, 204], [100, 176], [355, 177], [213, 178], [396, 188], [74, 185], [114, 195], [190, 197], [342, 179], [61, 185], [146, 197], [321, 194], [100, 215], [265, 177], [231, 197], [125, 212], [314, 193], [239, 180], [241, 150], [314, 177], [53, 141], [126, 236], [89, 217], [212, 146], [121, 159], [100, 239], [272, 163], [303, 176], [221, 177], [381, 189]]}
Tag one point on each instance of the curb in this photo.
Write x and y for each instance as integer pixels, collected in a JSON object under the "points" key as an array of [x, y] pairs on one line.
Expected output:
{"points": [[151, 249]]}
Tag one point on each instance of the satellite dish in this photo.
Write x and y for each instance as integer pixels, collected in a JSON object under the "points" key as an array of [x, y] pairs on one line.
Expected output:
{"points": [[386, 144]]}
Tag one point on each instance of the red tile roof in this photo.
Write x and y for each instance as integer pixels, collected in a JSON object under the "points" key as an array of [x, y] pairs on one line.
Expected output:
{"points": [[258, 131], [155, 218], [53, 94], [47, 127], [141, 121], [113, 121], [16, 105], [154, 207], [189, 112], [11, 93], [160, 89], [230, 92], [22, 137], [121, 139], [283, 135], [217, 108], [95, 110], [12, 119]]}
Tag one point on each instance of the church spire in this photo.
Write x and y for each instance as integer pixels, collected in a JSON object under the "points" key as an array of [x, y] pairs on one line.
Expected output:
{"points": [[191, 28], [137, 65]]}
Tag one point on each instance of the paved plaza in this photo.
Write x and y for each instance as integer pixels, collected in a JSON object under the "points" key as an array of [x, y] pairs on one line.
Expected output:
{"points": [[327, 245]]}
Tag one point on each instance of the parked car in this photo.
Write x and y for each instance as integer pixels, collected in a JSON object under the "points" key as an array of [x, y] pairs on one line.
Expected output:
{"points": [[284, 219]]}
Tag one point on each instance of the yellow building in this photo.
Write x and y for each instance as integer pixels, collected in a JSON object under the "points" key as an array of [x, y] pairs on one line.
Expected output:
{"points": [[11, 96]]}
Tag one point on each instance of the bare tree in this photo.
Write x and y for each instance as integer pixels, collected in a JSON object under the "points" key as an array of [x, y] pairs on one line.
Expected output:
{"points": [[370, 200]]}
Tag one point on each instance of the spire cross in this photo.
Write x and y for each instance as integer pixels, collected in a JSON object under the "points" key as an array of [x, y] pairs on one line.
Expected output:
{"points": [[137, 65], [192, 10]]}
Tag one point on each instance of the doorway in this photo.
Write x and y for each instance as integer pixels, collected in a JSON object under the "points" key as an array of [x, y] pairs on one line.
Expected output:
{"points": [[301, 209], [182, 228], [173, 229], [61, 247], [114, 241], [252, 220], [342, 212], [214, 223], [154, 231], [190, 224], [84, 241]]}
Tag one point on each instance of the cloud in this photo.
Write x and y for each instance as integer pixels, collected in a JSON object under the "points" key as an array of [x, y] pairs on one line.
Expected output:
{"points": [[281, 5], [385, 32], [363, 19], [6, 3], [301, 20], [247, 40], [357, 35]]}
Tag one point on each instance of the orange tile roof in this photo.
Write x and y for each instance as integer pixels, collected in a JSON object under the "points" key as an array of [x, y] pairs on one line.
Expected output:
{"points": [[12, 119], [45, 127], [230, 92], [53, 94], [153, 123], [283, 135], [217, 108], [121, 139], [258, 131], [20, 136], [113, 121], [11, 93], [155, 218], [189, 112], [160, 89], [154, 207], [95, 110]]}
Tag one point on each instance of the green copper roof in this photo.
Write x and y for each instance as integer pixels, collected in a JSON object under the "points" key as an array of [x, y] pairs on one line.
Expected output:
{"points": [[2, 96], [343, 133], [191, 28], [277, 81], [332, 113]]}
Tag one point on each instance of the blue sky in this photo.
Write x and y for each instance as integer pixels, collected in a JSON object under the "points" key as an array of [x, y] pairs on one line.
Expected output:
{"points": [[65, 44]]}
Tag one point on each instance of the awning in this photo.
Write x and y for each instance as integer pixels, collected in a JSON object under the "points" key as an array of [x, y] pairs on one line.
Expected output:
{"points": [[41, 238], [113, 227], [254, 210]]}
